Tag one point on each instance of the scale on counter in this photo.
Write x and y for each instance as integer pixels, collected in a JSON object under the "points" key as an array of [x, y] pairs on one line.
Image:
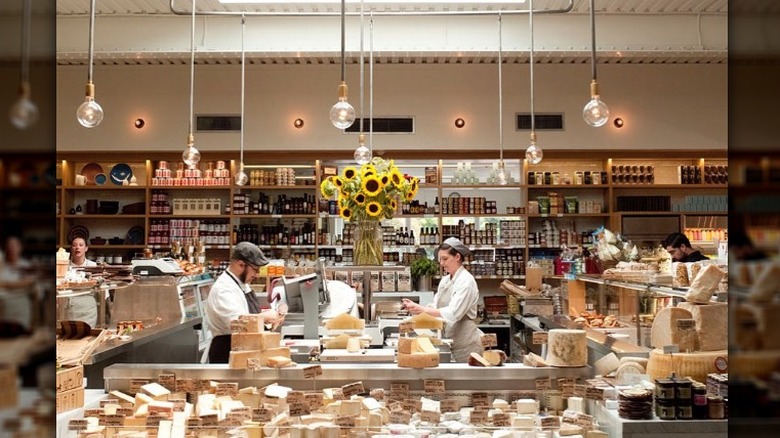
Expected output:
{"points": [[161, 266]]}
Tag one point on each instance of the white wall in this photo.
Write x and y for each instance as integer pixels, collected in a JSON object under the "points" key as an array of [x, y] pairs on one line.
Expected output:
{"points": [[664, 106]]}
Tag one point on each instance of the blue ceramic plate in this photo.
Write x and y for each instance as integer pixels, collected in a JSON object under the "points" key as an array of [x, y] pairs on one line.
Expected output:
{"points": [[120, 172], [100, 179]]}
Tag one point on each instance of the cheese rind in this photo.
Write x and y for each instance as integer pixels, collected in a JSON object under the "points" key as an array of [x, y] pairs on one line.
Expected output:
{"points": [[567, 348], [711, 324], [695, 365], [418, 360], [405, 345], [255, 341], [238, 359], [155, 390], [345, 322], [665, 323], [704, 285]]}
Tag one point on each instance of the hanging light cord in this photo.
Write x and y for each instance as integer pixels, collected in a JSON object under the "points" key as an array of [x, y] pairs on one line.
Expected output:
{"points": [[243, 68], [343, 39], [192, 68], [500, 94], [25, 73], [371, 86], [531, 60], [362, 70], [91, 39], [593, 39]]}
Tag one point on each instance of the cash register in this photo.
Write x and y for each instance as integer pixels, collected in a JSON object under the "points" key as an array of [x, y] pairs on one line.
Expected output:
{"points": [[151, 267]]}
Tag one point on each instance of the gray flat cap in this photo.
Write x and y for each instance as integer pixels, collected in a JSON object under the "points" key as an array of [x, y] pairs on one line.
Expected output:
{"points": [[457, 245], [248, 252]]}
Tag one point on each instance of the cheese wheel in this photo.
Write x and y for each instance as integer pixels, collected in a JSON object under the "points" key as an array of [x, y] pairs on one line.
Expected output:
{"points": [[640, 360], [665, 323], [534, 360], [695, 365], [567, 348], [606, 364], [711, 324], [495, 357], [255, 341], [626, 373]]}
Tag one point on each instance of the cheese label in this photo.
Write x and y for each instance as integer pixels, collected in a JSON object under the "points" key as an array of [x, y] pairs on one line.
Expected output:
{"points": [[136, 384], [178, 404], [168, 381], [671, 349], [433, 386], [78, 425], [489, 340], [153, 419], [345, 421], [185, 385], [501, 419], [102, 420], [245, 412], [400, 417], [114, 421], [295, 397], [110, 401], [566, 381], [567, 390], [262, 415], [539, 338], [298, 409], [351, 389], [95, 412], [229, 389], [338, 394], [478, 416], [209, 420], [480, 399], [686, 324], [580, 390], [314, 400], [550, 422], [542, 384], [194, 422], [312, 372], [399, 388], [449, 405], [202, 385], [125, 412], [405, 327], [230, 421], [430, 416], [254, 364], [377, 394], [721, 364], [396, 406], [584, 420], [411, 405]]}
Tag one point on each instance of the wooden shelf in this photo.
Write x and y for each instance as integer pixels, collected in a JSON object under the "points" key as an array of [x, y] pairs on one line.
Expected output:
{"points": [[571, 215], [187, 216], [568, 186], [274, 216], [481, 186], [670, 186], [105, 187], [297, 187], [190, 187], [104, 216], [109, 246]]}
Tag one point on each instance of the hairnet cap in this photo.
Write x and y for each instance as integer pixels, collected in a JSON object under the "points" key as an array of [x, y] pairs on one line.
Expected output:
{"points": [[249, 253], [457, 245]]}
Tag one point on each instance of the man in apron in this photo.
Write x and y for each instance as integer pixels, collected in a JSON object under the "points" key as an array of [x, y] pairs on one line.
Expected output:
{"points": [[455, 301]]}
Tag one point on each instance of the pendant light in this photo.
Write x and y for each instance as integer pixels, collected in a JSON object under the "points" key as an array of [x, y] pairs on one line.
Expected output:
{"points": [[24, 112], [501, 174], [596, 112], [534, 153], [361, 154], [90, 113], [371, 87], [191, 155], [342, 114], [241, 177]]}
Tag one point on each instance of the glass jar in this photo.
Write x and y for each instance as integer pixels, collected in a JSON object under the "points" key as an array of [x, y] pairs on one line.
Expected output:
{"points": [[664, 389], [716, 407], [700, 409], [682, 390], [665, 409], [684, 412]]}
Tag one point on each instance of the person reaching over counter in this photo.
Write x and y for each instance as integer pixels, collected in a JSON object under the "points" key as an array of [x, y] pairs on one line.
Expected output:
{"points": [[232, 296], [455, 301], [681, 250]]}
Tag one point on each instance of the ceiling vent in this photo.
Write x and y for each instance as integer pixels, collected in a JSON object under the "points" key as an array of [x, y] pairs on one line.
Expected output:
{"points": [[216, 123], [544, 121], [385, 125]]}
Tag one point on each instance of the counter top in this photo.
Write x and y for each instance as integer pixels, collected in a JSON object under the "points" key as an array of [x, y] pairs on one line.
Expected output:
{"points": [[597, 340], [622, 428]]}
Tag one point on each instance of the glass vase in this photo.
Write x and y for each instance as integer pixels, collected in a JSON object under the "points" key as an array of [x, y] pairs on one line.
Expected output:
{"points": [[368, 244]]}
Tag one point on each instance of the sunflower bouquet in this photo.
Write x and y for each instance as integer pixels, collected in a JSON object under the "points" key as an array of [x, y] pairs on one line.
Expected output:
{"points": [[371, 192]]}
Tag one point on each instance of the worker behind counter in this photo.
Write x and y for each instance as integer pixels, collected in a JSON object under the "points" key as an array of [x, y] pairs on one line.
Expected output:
{"points": [[681, 250], [455, 301], [231, 296]]}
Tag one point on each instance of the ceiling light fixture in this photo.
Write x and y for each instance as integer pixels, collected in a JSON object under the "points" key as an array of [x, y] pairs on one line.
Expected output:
{"points": [[139, 123], [191, 155], [241, 177], [90, 113], [534, 153], [298, 123], [596, 112], [362, 155], [501, 173], [619, 123], [342, 114], [460, 122], [24, 112]]}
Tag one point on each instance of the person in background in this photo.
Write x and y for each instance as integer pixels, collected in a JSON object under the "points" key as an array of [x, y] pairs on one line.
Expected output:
{"points": [[231, 296], [455, 301], [83, 307], [13, 254], [741, 247], [679, 247], [15, 305]]}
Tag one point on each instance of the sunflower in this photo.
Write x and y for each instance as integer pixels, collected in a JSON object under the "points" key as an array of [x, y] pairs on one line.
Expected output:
{"points": [[393, 204], [384, 179], [326, 188], [409, 196], [338, 182], [371, 185], [367, 169], [349, 173], [396, 178], [345, 213], [374, 209], [359, 198]]}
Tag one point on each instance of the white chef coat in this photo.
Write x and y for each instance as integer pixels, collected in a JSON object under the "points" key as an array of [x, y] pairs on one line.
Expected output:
{"points": [[456, 299], [83, 307], [225, 303]]}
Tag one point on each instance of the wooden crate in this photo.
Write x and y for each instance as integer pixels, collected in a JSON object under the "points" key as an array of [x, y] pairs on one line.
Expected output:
{"points": [[70, 399]]}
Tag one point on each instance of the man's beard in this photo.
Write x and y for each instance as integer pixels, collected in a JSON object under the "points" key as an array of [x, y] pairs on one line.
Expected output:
{"points": [[242, 277]]}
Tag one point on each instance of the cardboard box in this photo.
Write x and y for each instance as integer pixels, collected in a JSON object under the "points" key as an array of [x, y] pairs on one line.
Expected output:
{"points": [[388, 281], [70, 378], [71, 399]]}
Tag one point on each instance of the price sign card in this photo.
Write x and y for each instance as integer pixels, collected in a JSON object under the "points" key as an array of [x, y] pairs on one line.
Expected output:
{"points": [[478, 416], [136, 384], [295, 397], [313, 371], [433, 386], [449, 405], [480, 399], [185, 385], [412, 405], [584, 420], [125, 412], [194, 422], [262, 415], [351, 389], [580, 390], [254, 364], [489, 340], [167, 380], [430, 416], [300, 408], [314, 399], [78, 425], [539, 338], [229, 389], [110, 401], [377, 394], [501, 419], [542, 384], [345, 421], [178, 404], [400, 417]]}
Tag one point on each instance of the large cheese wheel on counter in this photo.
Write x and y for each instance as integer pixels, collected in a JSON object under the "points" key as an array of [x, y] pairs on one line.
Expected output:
{"points": [[711, 325], [664, 323], [567, 348], [695, 365]]}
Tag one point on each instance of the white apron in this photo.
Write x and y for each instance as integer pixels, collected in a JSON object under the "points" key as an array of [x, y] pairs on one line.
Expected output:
{"points": [[465, 335]]}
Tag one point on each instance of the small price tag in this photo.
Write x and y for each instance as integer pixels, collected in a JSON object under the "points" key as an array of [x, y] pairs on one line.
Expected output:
{"points": [[580, 390], [178, 404], [314, 400], [501, 419], [338, 394], [167, 380], [254, 364], [567, 389], [202, 385], [95, 412], [550, 422], [125, 412], [400, 417], [479, 399], [430, 416], [78, 425], [153, 420], [115, 420], [110, 401], [345, 421], [542, 384], [295, 397], [377, 394], [230, 421], [433, 386], [566, 381], [351, 389], [298, 409], [539, 338], [227, 389], [412, 405], [405, 327], [313, 371], [194, 422], [399, 390], [671, 349], [244, 412], [185, 385], [396, 406], [478, 416], [136, 384], [584, 420], [449, 405], [262, 415], [489, 340]]}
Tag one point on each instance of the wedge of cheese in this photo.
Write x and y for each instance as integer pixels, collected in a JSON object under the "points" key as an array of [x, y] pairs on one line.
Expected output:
{"points": [[122, 397], [704, 285], [405, 345], [247, 324], [156, 391], [238, 359], [345, 321], [711, 324], [426, 321], [255, 341], [665, 323], [418, 360], [567, 348], [279, 362]]}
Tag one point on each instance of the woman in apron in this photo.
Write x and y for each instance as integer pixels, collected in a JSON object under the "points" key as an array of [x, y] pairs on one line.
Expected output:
{"points": [[455, 301]]}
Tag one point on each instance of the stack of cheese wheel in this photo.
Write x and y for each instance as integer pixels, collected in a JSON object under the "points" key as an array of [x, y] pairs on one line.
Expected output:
{"points": [[695, 365]]}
